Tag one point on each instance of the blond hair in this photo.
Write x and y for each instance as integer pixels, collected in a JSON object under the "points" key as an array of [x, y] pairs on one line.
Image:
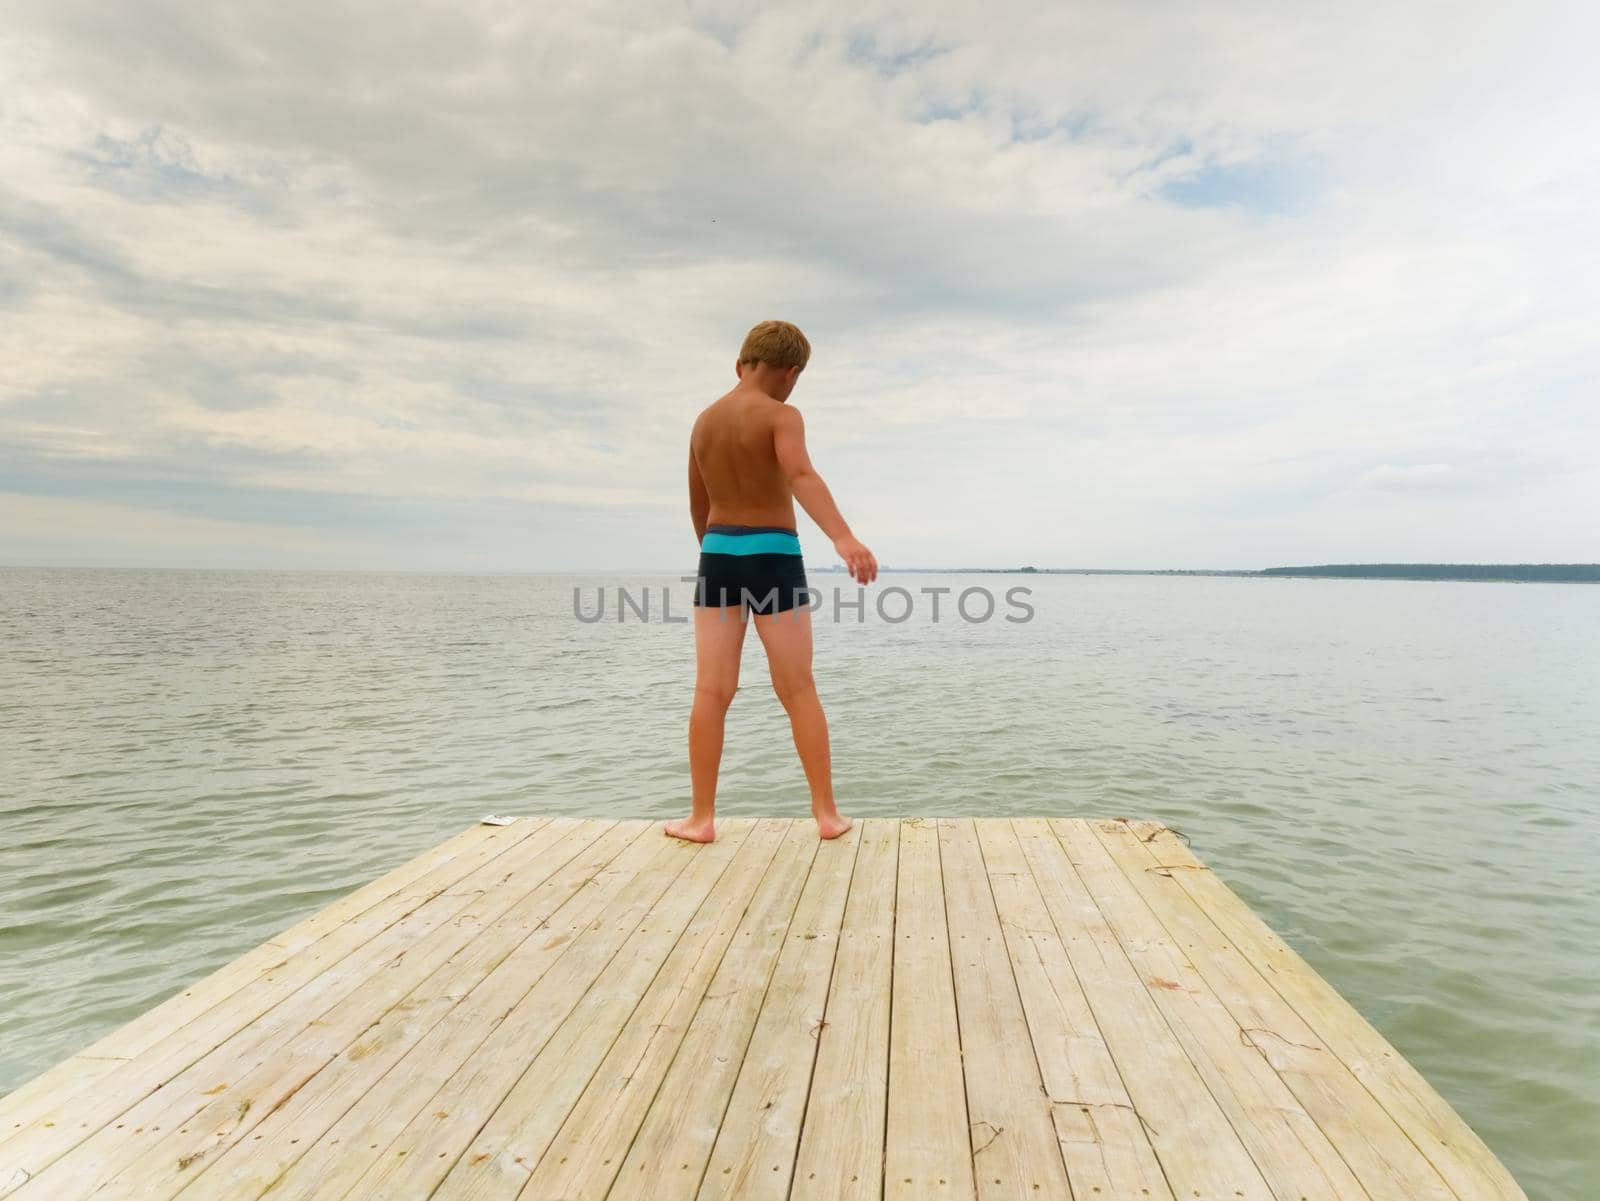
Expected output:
{"points": [[777, 343]]}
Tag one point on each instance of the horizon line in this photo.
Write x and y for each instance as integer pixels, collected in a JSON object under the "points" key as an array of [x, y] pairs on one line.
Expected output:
{"points": [[831, 569]]}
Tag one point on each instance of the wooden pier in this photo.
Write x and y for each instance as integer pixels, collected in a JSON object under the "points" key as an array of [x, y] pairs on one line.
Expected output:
{"points": [[563, 1009]]}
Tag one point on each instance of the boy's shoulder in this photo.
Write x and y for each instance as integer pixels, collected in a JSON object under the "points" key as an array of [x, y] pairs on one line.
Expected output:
{"points": [[745, 407]]}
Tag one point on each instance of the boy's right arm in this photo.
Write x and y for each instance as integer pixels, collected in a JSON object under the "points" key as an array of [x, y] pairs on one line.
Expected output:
{"points": [[789, 441]]}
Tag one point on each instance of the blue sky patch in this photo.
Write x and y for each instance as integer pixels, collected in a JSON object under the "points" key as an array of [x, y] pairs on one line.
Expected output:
{"points": [[159, 166], [1030, 125], [945, 110], [864, 50], [1268, 185]]}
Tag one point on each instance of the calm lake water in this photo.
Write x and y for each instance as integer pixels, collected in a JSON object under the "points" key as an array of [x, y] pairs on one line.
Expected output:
{"points": [[1402, 778]]}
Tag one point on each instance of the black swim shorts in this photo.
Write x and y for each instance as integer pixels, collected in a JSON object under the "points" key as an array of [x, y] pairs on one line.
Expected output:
{"points": [[752, 566]]}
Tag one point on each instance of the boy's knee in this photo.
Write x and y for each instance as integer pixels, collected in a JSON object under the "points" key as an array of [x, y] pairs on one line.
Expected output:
{"points": [[792, 688], [719, 695]]}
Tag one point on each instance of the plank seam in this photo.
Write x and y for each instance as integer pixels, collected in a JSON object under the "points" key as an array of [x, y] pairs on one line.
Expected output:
{"points": [[888, 1041], [622, 1157], [955, 1002], [765, 989], [838, 937], [1160, 1013], [13, 1100], [1016, 986], [1226, 937], [359, 1182], [1122, 871], [518, 844], [334, 1120], [622, 1027], [1072, 967]]}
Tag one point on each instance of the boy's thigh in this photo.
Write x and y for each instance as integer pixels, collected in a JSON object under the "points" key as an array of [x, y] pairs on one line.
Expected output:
{"points": [[718, 642], [786, 637]]}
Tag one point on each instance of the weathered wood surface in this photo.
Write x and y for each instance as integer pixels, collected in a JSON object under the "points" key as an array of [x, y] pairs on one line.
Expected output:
{"points": [[924, 1008]]}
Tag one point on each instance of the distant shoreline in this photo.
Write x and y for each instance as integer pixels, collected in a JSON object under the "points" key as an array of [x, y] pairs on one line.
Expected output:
{"points": [[1516, 573]]}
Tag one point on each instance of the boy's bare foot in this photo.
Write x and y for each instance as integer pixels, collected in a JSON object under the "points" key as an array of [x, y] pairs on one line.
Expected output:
{"points": [[691, 830], [832, 825]]}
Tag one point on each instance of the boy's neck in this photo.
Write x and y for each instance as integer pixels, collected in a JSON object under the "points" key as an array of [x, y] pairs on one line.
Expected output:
{"points": [[751, 388]]}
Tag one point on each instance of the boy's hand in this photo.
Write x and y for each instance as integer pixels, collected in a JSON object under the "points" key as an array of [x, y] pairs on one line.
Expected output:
{"points": [[858, 560]]}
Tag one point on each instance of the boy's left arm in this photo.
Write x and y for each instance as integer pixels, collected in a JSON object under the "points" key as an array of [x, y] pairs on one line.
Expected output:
{"points": [[699, 499]]}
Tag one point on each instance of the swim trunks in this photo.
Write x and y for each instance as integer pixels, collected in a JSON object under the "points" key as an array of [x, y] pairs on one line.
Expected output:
{"points": [[753, 566]]}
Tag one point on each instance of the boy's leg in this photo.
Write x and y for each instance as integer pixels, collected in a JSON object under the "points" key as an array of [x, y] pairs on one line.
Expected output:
{"points": [[718, 641], [787, 639]]}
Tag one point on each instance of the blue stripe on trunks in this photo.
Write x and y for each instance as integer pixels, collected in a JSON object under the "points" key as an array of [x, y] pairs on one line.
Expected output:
{"points": [[749, 540]]}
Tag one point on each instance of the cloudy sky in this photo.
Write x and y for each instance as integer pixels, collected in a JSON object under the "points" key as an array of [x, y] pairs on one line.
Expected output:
{"points": [[442, 285]]}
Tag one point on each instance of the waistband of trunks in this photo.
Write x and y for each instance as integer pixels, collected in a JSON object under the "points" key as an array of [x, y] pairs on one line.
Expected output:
{"points": [[750, 540]]}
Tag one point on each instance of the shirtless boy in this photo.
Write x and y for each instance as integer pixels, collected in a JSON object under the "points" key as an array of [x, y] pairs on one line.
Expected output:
{"points": [[747, 467]]}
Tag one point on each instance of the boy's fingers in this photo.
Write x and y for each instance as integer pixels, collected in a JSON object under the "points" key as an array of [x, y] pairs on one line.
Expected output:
{"points": [[863, 566]]}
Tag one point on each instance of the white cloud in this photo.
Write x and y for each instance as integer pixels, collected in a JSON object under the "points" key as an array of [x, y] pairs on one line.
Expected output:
{"points": [[1415, 477], [1167, 287]]}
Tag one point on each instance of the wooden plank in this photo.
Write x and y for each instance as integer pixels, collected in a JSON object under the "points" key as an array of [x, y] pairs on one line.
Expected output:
{"points": [[754, 1154], [1101, 1136], [1200, 1154], [1291, 1150], [590, 1084], [841, 1137], [327, 1065], [1014, 1149], [1451, 1146], [151, 1093], [335, 1146], [561, 1028], [138, 1035], [929, 1148], [673, 1144], [645, 1125], [1377, 1150]]}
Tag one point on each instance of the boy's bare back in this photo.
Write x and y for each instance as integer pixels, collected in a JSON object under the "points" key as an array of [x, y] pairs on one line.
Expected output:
{"points": [[748, 465], [734, 445]]}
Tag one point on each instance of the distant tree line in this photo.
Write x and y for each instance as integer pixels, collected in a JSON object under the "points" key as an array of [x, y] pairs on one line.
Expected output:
{"points": [[1540, 572]]}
